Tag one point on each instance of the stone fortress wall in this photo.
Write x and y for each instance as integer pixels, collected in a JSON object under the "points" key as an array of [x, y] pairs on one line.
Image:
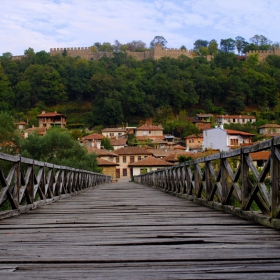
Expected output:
{"points": [[156, 53], [262, 55]]}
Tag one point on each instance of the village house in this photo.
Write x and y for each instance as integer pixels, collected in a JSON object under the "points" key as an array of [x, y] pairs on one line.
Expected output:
{"points": [[151, 131], [48, 120], [21, 125], [114, 132], [194, 142], [118, 143], [147, 164], [41, 131], [93, 140], [270, 129], [202, 121], [127, 156], [241, 119], [225, 139]]}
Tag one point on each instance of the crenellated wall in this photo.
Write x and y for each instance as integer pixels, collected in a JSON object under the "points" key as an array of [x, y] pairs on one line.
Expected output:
{"points": [[263, 54]]}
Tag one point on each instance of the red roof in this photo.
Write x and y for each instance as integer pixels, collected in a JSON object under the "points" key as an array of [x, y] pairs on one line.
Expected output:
{"points": [[237, 132], [151, 161], [263, 155], [132, 151], [94, 136], [149, 127], [101, 152], [104, 162], [51, 114]]}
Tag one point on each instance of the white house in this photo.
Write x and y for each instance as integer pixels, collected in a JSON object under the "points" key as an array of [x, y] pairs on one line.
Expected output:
{"points": [[225, 139], [114, 132], [241, 119], [148, 164]]}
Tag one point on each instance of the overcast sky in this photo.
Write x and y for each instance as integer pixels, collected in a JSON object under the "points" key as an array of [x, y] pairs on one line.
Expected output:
{"points": [[45, 24]]}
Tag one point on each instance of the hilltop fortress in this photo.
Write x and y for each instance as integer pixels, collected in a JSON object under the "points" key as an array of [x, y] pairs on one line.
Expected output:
{"points": [[156, 53]]}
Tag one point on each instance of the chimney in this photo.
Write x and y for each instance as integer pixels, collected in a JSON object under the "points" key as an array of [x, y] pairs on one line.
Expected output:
{"points": [[43, 112]]}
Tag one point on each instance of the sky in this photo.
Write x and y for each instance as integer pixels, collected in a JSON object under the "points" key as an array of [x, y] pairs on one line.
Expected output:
{"points": [[45, 24]]}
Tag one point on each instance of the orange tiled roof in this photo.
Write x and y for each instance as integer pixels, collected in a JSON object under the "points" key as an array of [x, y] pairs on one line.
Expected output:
{"points": [[263, 155], [114, 129], [51, 114], [237, 132], [104, 162], [132, 151], [118, 142], [270, 125], [149, 127], [151, 161], [94, 136], [100, 152]]}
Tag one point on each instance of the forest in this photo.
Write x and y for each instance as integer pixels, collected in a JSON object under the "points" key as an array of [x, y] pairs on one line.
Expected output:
{"points": [[122, 90]]}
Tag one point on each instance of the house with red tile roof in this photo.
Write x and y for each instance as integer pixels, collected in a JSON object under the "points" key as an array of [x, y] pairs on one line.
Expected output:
{"points": [[147, 164], [225, 139], [149, 131], [127, 156], [48, 120], [93, 140]]}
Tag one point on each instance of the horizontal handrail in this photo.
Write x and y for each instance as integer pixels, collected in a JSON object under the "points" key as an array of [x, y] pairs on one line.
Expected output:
{"points": [[229, 181], [26, 183]]}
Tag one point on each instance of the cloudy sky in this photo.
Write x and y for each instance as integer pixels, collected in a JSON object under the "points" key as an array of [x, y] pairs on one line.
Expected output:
{"points": [[44, 24]]}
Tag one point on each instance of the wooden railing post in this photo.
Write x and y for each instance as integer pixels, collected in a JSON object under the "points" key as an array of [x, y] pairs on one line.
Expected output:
{"points": [[275, 179]]}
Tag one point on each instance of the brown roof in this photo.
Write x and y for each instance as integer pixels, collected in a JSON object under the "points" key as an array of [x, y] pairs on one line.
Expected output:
{"points": [[94, 136], [114, 129], [149, 127], [118, 142], [179, 147], [237, 132], [195, 136], [104, 162], [151, 161], [161, 152], [263, 155], [40, 130], [51, 114], [132, 151], [205, 115], [101, 152], [21, 122], [270, 125]]}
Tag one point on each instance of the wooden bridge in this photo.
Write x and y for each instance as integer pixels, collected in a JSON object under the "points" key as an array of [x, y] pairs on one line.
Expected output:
{"points": [[138, 230]]}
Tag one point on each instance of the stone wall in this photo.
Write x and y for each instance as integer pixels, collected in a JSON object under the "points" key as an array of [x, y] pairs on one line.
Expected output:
{"points": [[263, 54]]}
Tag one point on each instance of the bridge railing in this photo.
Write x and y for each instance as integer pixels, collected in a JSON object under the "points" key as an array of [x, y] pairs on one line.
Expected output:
{"points": [[26, 183], [231, 181]]}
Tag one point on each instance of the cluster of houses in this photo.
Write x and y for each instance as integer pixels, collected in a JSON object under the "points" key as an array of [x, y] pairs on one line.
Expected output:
{"points": [[126, 161]]}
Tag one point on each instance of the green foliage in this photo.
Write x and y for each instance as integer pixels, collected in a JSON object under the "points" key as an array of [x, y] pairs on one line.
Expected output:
{"points": [[123, 89], [183, 158], [105, 142], [57, 146]]}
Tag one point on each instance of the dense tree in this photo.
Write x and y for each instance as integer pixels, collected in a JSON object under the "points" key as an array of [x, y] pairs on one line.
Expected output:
{"points": [[227, 45], [58, 147], [240, 44], [158, 40]]}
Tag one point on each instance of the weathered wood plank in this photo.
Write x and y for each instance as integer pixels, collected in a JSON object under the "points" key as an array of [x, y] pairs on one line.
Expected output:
{"points": [[129, 231]]}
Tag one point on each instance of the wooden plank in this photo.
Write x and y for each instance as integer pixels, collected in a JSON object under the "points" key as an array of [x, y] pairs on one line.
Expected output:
{"points": [[129, 231]]}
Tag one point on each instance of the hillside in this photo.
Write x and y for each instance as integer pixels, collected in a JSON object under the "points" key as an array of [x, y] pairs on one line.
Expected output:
{"points": [[113, 91]]}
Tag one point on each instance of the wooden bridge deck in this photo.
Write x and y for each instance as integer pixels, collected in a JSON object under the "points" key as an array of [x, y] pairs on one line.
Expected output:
{"points": [[129, 231]]}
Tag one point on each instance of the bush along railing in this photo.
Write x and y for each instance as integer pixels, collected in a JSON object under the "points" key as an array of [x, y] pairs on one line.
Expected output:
{"points": [[244, 182], [26, 184]]}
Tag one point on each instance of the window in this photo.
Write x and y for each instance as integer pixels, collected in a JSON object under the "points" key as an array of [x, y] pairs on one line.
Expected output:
{"points": [[131, 159], [150, 132], [119, 133], [124, 172], [111, 134], [234, 142], [139, 158], [233, 120], [117, 159], [124, 159]]}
